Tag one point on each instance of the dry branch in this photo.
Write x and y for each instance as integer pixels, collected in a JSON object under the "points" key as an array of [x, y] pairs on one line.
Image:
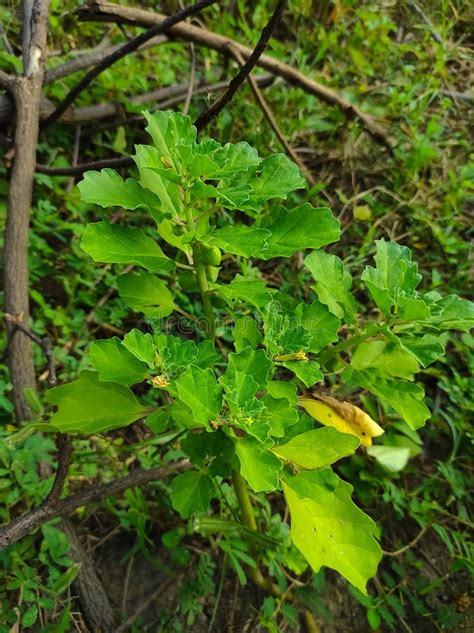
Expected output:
{"points": [[100, 111], [26, 91], [26, 523], [90, 58], [125, 49], [245, 70], [110, 12], [268, 114]]}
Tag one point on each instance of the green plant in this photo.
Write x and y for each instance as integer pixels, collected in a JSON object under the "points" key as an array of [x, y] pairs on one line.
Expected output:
{"points": [[234, 395]]}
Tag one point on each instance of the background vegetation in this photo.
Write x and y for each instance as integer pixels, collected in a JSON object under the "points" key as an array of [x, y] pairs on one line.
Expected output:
{"points": [[409, 65]]}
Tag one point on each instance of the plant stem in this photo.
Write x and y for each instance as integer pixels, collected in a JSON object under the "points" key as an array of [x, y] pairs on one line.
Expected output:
{"points": [[248, 519], [343, 345], [246, 510], [200, 272]]}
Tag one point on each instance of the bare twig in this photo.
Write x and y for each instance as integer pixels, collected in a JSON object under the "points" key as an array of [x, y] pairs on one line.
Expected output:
{"points": [[268, 114], [44, 343], [78, 170], [460, 96], [26, 523], [104, 11], [436, 36], [409, 545], [126, 49], [159, 591], [98, 111], [121, 162], [192, 76], [6, 42], [86, 59], [220, 103], [75, 156], [64, 450], [126, 583]]}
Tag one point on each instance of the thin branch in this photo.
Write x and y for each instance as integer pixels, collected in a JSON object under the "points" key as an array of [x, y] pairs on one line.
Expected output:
{"points": [[64, 448], [461, 96], [85, 114], [268, 114], [86, 59], [78, 170], [434, 33], [192, 77], [160, 591], [121, 162], [26, 523], [411, 544], [220, 103], [43, 342], [104, 11], [126, 49]]}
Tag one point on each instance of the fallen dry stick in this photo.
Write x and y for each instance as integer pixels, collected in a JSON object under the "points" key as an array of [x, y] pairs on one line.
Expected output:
{"points": [[109, 12]]}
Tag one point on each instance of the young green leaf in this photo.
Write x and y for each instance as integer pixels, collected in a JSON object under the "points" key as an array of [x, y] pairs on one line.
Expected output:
{"points": [[89, 406], [115, 363], [156, 178], [254, 292], [333, 284], [141, 345], [450, 313], [191, 492], [322, 325], [279, 414], [395, 275], [293, 230], [426, 349], [259, 466], [175, 355], [110, 243], [386, 357], [275, 177], [107, 188], [243, 240], [199, 390], [318, 448], [305, 370], [255, 363], [240, 395], [170, 130], [329, 529], [146, 293], [404, 397], [213, 161]]}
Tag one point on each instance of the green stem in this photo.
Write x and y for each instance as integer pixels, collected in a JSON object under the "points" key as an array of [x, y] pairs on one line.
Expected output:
{"points": [[242, 494], [248, 519], [343, 345], [200, 272]]}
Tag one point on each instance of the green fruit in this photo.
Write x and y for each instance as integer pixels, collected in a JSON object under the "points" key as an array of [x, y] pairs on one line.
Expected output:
{"points": [[211, 255], [187, 281], [212, 273]]}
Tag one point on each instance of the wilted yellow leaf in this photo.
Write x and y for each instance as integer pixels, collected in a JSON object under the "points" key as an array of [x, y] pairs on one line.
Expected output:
{"points": [[343, 416]]}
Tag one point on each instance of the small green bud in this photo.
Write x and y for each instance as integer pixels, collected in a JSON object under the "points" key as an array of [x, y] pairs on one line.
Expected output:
{"points": [[212, 273], [211, 255]]}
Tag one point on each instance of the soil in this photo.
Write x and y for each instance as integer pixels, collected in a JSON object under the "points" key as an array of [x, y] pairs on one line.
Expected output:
{"points": [[146, 585]]}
